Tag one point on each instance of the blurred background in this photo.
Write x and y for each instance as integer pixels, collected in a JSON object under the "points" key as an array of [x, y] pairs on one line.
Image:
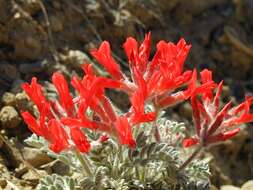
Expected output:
{"points": [[38, 37]]}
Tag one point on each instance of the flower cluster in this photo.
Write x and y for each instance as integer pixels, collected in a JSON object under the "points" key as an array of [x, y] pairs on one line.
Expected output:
{"points": [[160, 81], [212, 124]]}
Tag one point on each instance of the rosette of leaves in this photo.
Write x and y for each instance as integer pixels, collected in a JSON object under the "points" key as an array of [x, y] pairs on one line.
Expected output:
{"points": [[151, 165]]}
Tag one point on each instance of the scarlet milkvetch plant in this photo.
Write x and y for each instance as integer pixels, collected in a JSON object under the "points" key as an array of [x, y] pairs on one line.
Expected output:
{"points": [[154, 81], [160, 82]]}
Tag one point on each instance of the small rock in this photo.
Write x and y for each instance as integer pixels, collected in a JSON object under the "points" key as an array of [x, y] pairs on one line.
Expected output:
{"points": [[229, 187], [35, 157], [31, 176], [248, 185], [29, 48], [31, 6], [56, 24], [22, 101], [213, 187], [8, 99], [56, 4], [9, 117], [33, 43], [8, 71], [75, 58], [60, 168], [3, 183]]}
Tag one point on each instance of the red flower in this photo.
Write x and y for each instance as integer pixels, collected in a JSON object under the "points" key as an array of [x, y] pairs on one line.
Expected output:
{"points": [[139, 114], [79, 139], [212, 125], [206, 76], [59, 138], [177, 97], [170, 58], [38, 128], [124, 132], [81, 120], [34, 91], [65, 98], [103, 55], [138, 58]]}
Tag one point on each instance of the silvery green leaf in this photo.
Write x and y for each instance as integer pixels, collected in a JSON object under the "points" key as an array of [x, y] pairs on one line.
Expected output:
{"points": [[57, 182], [198, 170], [36, 141]]}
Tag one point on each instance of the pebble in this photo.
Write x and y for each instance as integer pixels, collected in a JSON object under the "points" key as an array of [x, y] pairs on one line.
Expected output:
{"points": [[56, 4], [60, 168], [75, 58], [56, 24], [22, 101], [229, 187], [35, 157], [212, 187], [3, 183], [31, 176], [9, 117], [248, 185], [8, 71], [8, 99]]}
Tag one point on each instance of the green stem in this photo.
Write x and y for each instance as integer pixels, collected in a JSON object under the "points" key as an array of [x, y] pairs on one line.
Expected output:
{"points": [[186, 162], [84, 162]]}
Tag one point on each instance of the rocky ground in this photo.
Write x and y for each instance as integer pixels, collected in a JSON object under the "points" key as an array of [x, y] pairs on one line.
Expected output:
{"points": [[38, 37]]}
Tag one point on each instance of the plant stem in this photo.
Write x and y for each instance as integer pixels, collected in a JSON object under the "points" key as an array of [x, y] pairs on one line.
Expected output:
{"points": [[186, 162], [85, 163], [157, 133]]}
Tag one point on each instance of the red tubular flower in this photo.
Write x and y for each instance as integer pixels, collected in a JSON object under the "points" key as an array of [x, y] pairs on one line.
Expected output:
{"points": [[206, 76], [34, 91], [145, 49], [65, 98], [222, 136], [124, 132], [59, 138], [108, 108], [38, 127], [34, 126], [177, 97], [103, 55], [79, 139], [139, 114], [131, 49], [212, 125], [170, 57], [138, 58], [81, 120]]}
